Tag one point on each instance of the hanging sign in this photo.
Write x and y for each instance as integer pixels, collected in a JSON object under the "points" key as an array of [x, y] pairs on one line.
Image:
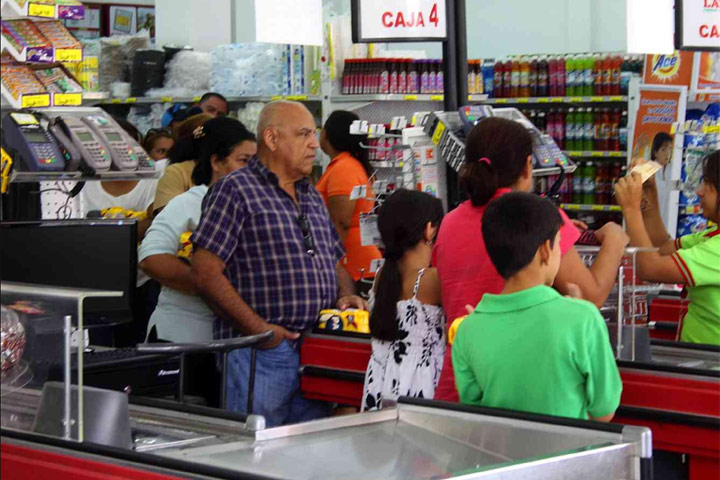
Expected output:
{"points": [[675, 69], [697, 25], [398, 21]]}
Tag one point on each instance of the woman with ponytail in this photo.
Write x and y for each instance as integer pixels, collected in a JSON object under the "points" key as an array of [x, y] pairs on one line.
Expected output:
{"points": [[348, 169], [407, 323], [223, 145], [498, 160]]}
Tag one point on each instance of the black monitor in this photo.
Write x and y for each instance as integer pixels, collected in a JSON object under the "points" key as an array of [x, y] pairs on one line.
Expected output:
{"points": [[96, 254]]}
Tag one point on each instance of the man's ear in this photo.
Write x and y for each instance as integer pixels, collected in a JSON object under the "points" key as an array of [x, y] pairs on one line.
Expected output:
{"points": [[545, 252], [270, 138]]}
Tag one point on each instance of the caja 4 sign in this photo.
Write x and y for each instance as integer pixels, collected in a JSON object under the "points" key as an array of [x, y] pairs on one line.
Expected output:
{"points": [[698, 24], [399, 20]]}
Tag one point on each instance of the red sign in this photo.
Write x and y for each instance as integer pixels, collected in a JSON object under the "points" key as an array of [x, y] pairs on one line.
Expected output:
{"points": [[673, 69]]}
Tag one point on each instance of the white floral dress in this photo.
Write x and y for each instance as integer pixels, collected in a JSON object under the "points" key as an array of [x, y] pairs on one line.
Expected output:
{"points": [[411, 365]]}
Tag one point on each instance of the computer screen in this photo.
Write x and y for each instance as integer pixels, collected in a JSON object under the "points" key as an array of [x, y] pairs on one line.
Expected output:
{"points": [[96, 254]]}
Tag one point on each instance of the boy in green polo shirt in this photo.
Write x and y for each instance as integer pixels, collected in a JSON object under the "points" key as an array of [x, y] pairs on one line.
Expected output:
{"points": [[529, 348]]}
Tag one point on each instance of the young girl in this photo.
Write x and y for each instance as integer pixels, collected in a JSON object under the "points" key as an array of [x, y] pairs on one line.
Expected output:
{"points": [[407, 321]]}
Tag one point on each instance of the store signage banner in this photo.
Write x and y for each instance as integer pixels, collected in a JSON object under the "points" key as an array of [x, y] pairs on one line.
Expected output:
{"points": [[398, 21], [675, 69], [657, 112], [697, 24], [709, 71]]}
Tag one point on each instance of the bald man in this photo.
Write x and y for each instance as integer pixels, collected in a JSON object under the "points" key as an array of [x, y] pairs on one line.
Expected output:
{"points": [[267, 258]]}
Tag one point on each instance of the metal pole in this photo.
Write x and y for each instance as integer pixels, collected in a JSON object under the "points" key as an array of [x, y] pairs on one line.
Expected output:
{"points": [[181, 380], [67, 424], [462, 55], [450, 60], [223, 381], [621, 299], [251, 380]]}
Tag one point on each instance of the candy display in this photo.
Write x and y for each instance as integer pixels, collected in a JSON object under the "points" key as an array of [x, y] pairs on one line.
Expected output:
{"points": [[57, 81], [12, 340], [57, 34], [20, 80], [23, 34]]}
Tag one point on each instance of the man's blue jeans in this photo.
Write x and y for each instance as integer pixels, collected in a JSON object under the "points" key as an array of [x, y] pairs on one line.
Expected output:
{"points": [[277, 394]]}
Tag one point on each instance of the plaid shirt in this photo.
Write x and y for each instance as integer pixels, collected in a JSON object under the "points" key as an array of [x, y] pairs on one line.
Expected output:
{"points": [[252, 225]]}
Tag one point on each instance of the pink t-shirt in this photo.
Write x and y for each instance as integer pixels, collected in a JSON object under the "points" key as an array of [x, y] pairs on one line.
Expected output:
{"points": [[466, 271]]}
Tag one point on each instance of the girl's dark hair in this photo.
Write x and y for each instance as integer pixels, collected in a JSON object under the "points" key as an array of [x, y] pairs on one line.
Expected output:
{"points": [[218, 136], [337, 132], [506, 144], [155, 134], [184, 147], [711, 171], [660, 139], [401, 223]]}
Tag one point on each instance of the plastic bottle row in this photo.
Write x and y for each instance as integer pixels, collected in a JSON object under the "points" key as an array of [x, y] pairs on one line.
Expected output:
{"points": [[554, 76], [392, 76], [588, 129], [592, 183]]}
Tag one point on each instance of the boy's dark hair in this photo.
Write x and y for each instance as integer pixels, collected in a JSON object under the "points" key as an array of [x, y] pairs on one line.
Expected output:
{"points": [[219, 137], [337, 132], [658, 141], [401, 222], [514, 226], [711, 171], [506, 144]]}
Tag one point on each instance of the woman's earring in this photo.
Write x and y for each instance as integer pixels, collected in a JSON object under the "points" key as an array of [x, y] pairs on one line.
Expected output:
{"points": [[429, 243]]}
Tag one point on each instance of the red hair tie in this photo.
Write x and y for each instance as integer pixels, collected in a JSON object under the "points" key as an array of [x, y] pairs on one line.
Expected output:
{"points": [[484, 160]]}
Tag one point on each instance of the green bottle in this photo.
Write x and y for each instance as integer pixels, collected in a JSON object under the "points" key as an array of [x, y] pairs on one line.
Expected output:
{"points": [[589, 184]]}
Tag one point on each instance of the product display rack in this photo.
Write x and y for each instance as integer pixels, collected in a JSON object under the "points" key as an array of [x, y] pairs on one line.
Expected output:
{"points": [[581, 207], [409, 97], [103, 98], [595, 154], [540, 100], [65, 9]]}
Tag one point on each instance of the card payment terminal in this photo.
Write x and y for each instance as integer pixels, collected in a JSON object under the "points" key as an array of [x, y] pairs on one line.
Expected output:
{"points": [[23, 133], [115, 140], [81, 143]]}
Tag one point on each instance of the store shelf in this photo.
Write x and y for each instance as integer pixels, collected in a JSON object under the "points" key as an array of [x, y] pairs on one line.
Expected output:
{"points": [[535, 100], [103, 98], [544, 172], [32, 177], [66, 9], [595, 153], [590, 208], [387, 98]]}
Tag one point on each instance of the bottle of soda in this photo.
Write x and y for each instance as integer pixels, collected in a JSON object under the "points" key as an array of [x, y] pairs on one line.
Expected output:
{"points": [[623, 131], [561, 76], [572, 75], [625, 75], [479, 84], [607, 75], [615, 79], [607, 126], [598, 75], [579, 183], [471, 77], [542, 122], [346, 77], [589, 184], [413, 77], [560, 128], [514, 78], [567, 188], [384, 76], [507, 79], [552, 77], [588, 129], [524, 77], [488, 76], [589, 66], [601, 184], [551, 124], [533, 77], [614, 141], [598, 143], [570, 130], [402, 76], [440, 77], [498, 79], [543, 77]]}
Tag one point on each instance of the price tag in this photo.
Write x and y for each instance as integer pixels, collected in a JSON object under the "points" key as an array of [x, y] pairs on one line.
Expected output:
{"points": [[543, 100], [616, 98], [437, 135], [557, 99], [167, 99], [358, 191], [39, 100], [523, 100], [501, 100], [41, 10], [571, 206], [411, 97], [131, 100], [575, 99], [439, 98], [67, 99], [597, 208], [196, 99], [596, 99], [116, 100], [616, 154], [297, 98], [597, 154], [275, 98], [72, 55]]}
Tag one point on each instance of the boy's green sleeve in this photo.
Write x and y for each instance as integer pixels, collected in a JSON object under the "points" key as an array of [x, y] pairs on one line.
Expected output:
{"points": [[465, 382], [603, 385]]}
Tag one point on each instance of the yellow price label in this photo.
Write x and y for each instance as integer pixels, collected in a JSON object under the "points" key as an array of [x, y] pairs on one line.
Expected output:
{"points": [[596, 99], [437, 135], [615, 154], [411, 97], [523, 100], [39, 100], [575, 99], [597, 208], [116, 100], [72, 55], [67, 99], [556, 99], [616, 98], [275, 98], [440, 98], [571, 206], [297, 98], [501, 100], [196, 99], [596, 154], [712, 129], [131, 100], [167, 99], [41, 10], [543, 100]]}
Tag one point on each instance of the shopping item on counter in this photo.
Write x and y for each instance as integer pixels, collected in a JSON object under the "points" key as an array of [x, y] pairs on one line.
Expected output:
{"points": [[350, 320], [57, 34], [116, 57], [20, 80], [647, 169], [23, 34], [56, 80]]}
